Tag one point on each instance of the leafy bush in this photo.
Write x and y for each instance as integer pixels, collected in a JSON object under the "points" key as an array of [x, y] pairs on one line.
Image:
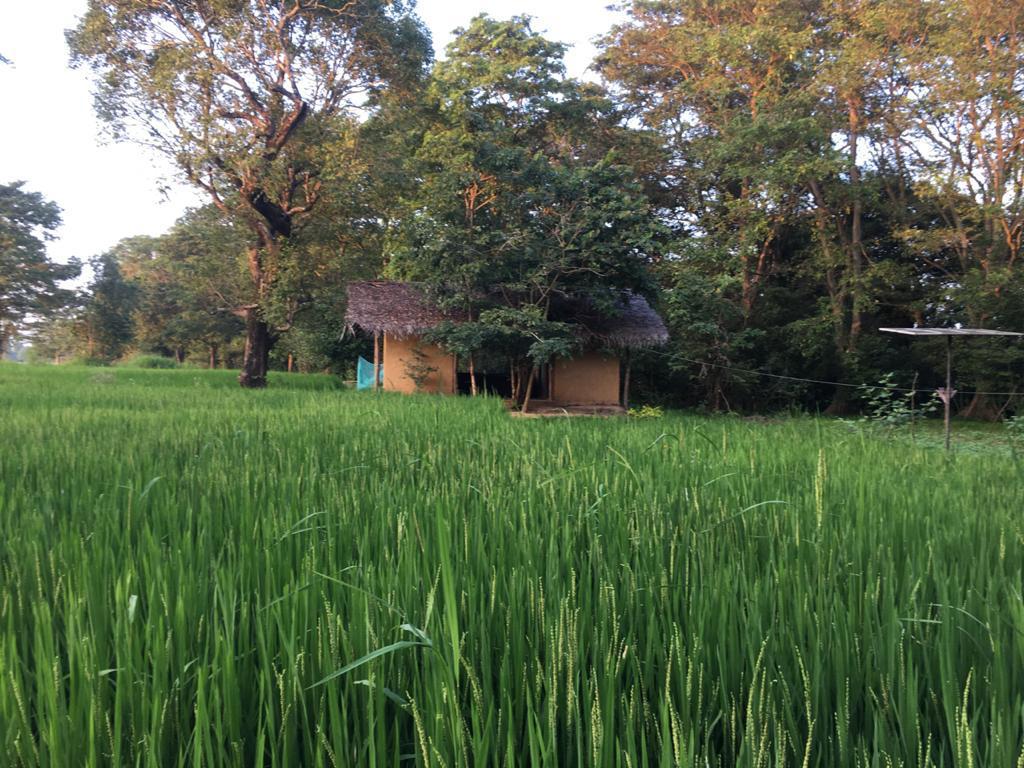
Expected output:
{"points": [[887, 405], [148, 361], [97, 362], [1015, 430], [646, 412]]}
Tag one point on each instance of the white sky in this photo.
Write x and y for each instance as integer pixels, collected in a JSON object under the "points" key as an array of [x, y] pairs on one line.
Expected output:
{"points": [[50, 138]]}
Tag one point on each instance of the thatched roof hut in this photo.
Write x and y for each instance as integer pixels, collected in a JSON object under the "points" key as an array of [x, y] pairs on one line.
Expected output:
{"points": [[403, 310]]}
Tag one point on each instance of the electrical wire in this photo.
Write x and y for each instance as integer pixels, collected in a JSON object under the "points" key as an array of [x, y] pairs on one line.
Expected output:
{"points": [[733, 368]]}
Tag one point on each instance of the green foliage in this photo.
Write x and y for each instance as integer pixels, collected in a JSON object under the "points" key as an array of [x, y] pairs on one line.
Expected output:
{"points": [[418, 368], [886, 405], [107, 324], [530, 333], [203, 569], [728, 88], [249, 99], [519, 209], [56, 338], [88, 361], [1015, 429], [188, 283], [791, 175], [464, 339], [29, 281], [829, 168], [149, 361], [646, 412]]}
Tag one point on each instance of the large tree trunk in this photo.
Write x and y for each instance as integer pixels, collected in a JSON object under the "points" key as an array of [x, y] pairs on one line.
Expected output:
{"points": [[257, 351], [982, 408], [840, 405], [274, 225], [856, 242]]}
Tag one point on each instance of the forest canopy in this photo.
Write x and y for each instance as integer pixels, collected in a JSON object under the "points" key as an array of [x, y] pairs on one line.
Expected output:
{"points": [[780, 178]]}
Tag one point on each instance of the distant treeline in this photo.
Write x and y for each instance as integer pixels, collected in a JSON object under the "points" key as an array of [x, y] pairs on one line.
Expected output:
{"points": [[781, 178]]}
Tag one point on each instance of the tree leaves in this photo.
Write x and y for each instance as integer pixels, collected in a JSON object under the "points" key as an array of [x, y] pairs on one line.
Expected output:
{"points": [[29, 281], [519, 211]]}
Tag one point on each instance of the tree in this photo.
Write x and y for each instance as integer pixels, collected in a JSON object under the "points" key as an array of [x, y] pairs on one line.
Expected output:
{"points": [[964, 136], [811, 150], [57, 338], [107, 324], [519, 213], [188, 282], [727, 86], [29, 281], [244, 97]]}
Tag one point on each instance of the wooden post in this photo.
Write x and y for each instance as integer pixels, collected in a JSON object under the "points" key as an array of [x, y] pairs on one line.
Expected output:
{"points": [[472, 376], [529, 388], [289, 362], [376, 360]]}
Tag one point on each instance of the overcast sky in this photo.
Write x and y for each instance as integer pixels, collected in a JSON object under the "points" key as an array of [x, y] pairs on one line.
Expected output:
{"points": [[50, 138]]}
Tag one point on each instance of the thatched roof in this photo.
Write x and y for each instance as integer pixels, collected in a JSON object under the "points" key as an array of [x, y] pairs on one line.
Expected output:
{"points": [[400, 309], [403, 309], [635, 324]]}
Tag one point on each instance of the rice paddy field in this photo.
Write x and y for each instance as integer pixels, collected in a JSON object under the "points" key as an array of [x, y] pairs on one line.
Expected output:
{"points": [[195, 575]]}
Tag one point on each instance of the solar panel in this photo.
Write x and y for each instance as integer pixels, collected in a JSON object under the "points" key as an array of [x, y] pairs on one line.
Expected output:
{"points": [[946, 393], [949, 332]]}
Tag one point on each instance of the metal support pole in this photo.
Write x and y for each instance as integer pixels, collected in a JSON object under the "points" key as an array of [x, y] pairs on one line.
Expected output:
{"points": [[913, 410], [949, 384]]}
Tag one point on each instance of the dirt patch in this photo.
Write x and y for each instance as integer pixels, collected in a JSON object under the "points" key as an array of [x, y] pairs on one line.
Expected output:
{"points": [[547, 410]]}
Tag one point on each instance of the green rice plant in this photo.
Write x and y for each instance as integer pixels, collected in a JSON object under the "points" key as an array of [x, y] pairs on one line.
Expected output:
{"points": [[308, 575], [1015, 431], [148, 361]]}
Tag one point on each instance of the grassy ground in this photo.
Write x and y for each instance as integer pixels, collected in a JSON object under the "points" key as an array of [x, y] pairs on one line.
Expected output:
{"points": [[195, 575]]}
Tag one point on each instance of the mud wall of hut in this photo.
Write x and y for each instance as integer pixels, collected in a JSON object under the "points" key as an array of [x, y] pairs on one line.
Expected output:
{"points": [[590, 379], [409, 358]]}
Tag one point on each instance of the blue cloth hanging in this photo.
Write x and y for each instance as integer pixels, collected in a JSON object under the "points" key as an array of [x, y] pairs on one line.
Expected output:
{"points": [[364, 374]]}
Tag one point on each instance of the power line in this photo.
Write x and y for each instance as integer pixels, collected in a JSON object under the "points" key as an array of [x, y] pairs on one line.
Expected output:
{"points": [[816, 381]]}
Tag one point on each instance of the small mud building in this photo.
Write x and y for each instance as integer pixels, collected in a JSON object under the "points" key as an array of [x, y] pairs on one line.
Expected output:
{"points": [[400, 313]]}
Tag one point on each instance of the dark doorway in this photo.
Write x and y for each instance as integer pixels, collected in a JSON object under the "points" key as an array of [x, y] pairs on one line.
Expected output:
{"points": [[499, 382]]}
